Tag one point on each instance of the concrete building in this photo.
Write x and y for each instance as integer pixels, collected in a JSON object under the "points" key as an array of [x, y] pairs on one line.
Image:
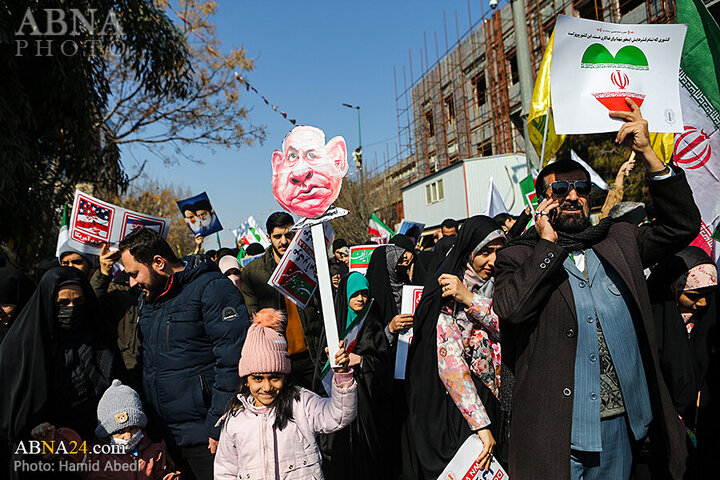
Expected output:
{"points": [[465, 103], [461, 190]]}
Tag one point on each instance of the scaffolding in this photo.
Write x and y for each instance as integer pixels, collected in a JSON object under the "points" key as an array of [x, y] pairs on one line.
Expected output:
{"points": [[466, 103]]}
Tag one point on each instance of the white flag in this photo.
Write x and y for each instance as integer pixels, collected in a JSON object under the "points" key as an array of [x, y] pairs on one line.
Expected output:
{"points": [[494, 204], [594, 177]]}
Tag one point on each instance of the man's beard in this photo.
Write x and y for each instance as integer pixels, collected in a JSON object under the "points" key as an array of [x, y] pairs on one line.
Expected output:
{"points": [[276, 251], [571, 222], [157, 285]]}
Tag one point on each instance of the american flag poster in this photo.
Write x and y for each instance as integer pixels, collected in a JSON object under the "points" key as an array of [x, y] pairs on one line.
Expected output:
{"points": [[94, 222], [132, 221], [91, 219]]}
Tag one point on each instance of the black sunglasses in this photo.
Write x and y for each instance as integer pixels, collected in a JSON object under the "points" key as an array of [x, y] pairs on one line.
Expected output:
{"points": [[562, 187]]}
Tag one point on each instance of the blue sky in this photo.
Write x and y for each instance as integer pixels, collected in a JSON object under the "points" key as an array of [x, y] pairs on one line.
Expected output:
{"points": [[310, 57]]}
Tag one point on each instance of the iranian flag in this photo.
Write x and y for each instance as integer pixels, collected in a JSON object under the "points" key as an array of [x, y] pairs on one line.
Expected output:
{"points": [[378, 230], [527, 187], [350, 336], [64, 233], [697, 149]]}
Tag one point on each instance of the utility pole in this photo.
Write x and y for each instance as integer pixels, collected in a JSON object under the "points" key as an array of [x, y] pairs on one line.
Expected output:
{"points": [[357, 156], [526, 77]]}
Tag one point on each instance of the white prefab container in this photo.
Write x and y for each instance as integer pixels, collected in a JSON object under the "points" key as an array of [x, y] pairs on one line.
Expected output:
{"points": [[461, 190]]}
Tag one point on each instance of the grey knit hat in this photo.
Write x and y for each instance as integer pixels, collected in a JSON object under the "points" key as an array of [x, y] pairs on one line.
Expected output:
{"points": [[120, 407]]}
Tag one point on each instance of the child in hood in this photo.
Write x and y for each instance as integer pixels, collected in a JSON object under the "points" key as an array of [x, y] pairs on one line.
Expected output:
{"points": [[270, 426], [123, 453]]}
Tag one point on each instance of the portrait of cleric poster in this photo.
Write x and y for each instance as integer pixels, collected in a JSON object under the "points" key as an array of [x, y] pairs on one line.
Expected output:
{"points": [[199, 215]]}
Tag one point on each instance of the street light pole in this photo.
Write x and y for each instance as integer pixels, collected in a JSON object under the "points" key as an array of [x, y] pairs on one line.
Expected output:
{"points": [[526, 77], [359, 164]]}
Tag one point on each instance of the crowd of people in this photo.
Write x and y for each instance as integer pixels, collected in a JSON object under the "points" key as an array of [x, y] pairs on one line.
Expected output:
{"points": [[571, 349]]}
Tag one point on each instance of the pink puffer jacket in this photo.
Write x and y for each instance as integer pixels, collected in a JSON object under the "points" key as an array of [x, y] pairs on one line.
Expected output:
{"points": [[248, 440]]}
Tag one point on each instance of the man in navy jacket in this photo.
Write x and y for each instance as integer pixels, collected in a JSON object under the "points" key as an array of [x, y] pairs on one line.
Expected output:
{"points": [[192, 325]]}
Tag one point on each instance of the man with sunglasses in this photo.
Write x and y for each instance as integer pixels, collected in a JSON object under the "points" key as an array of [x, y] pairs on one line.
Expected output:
{"points": [[577, 316], [304, 327]]}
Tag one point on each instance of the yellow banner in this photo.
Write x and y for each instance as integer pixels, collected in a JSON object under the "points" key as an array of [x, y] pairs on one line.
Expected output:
{"points": [[540, 107]]}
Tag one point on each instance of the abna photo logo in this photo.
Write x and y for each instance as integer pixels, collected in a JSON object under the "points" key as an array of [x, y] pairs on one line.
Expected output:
{"points": [[54, 31]]}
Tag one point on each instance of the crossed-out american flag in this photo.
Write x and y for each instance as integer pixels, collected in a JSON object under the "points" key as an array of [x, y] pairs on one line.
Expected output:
{"points": [[93, 217]]}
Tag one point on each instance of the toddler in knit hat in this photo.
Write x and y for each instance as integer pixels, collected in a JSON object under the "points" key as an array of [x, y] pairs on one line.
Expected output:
{"points": [[124, 451], [269, 428]]}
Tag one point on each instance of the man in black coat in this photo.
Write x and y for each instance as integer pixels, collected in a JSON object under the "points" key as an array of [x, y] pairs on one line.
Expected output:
{"points": [[192, 323], [578, 321], [304, 329]]}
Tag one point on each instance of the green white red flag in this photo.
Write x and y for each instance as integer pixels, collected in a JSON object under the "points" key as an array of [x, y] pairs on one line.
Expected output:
{"points": [[697, 149], [379, 232]]}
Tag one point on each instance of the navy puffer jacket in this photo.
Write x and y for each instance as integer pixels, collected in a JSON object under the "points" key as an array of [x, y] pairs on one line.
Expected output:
{"points": [[191, 337]]}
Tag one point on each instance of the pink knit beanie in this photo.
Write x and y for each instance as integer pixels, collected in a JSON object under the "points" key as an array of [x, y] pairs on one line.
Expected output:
{"points": [[265, 349]]}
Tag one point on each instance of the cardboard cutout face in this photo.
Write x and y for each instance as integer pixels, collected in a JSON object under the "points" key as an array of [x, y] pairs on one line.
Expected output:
{"points": [[307, 172]]}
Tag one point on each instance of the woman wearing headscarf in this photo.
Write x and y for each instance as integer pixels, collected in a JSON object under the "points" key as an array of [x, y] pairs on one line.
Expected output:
{"points": [[453, 371], [56, 360], [15, 291], [360, 451], [391, 267], [684, 296]]}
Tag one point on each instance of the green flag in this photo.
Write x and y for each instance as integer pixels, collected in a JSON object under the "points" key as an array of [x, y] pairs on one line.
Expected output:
{"points": [[63, 234]]}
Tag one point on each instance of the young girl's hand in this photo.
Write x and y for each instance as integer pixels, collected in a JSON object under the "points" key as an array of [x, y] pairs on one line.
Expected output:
{"points": [[342, 358], [43, 432]]}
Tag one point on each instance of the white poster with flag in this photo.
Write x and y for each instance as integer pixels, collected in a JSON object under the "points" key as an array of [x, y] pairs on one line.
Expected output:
{"points": [[596, 65], [94, 222], [295, 277], [697, 148], [465, 464], [494, 204], [411, 295], [251, 232]]}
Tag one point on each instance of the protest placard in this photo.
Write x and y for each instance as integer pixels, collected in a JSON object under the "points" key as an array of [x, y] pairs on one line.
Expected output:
{"points": [[411, 295], [596, 65], [360, 257], [94, 222], [295, 276], [245, 261], [199, 215], [465, 465], [411, 229]]}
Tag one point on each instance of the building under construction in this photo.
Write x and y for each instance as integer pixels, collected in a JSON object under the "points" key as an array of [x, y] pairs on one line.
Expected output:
{"points": [[459, 98]]}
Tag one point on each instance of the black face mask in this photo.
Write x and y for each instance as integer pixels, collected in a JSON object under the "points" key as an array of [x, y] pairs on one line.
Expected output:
{"points": [[70, 318], [402, 271]]}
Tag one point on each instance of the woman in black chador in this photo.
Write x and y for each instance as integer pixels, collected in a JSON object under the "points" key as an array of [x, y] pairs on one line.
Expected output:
{"points": [[453, 380], [15, 291], [57, 359], [361, 451]]}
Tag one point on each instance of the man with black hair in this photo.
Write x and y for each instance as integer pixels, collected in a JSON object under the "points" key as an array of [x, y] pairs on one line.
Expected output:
{"points": [[192, 323], [512, 225], [449, 227], [578, 318], [254, 249], [304, 327]]}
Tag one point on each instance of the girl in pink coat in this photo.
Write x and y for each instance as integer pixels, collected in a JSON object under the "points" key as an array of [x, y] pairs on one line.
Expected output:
{"points": [[270, 426]]}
